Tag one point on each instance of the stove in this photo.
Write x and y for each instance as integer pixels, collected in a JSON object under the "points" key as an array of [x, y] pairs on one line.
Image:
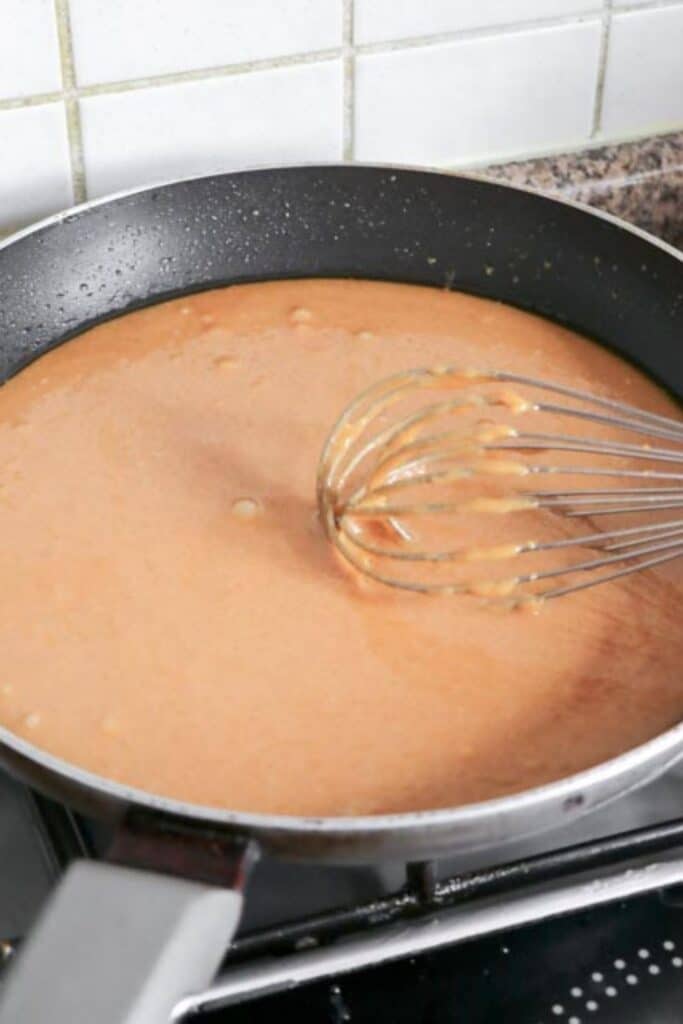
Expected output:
{"points": [[578, 925]]}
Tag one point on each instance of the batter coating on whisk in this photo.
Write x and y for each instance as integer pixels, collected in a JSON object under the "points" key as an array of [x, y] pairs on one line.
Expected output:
{"points": [[426, 473], [173, 616]]}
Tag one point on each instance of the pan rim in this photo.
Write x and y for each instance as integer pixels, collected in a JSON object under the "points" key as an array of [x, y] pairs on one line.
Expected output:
{"points": [[557, 791], [653, 751], [332, 165]]}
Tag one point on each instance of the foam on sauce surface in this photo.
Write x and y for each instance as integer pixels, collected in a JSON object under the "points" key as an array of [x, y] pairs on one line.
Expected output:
{"points": [[172, 616]]}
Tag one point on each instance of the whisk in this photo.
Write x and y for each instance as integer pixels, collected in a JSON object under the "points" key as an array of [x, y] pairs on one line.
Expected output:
{"points": [[407, 471]]}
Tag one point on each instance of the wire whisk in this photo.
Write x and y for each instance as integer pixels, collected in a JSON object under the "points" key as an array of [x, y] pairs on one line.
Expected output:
{"points": [[429, 482]]}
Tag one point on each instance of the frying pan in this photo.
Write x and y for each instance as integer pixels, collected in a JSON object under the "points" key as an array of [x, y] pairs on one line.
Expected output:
{"points": [[123, 941]]}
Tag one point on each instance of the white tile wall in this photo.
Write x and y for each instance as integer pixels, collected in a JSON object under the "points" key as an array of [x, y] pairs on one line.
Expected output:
{"points": [[159, 88], [377, 20], [29, 53], [644, 75], [34, 169], [288, 115], [119, 39], [478, 98]]}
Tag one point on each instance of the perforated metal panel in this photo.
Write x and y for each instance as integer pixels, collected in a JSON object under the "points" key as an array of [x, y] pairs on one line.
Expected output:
{"points": [[619, 964]]}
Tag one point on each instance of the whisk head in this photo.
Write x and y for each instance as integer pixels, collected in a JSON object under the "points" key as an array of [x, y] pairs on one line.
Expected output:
{"points": [[428, 479]]}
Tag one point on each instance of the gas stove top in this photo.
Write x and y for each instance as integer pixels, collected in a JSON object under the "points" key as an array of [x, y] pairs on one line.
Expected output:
{"points": [[471, 938]]}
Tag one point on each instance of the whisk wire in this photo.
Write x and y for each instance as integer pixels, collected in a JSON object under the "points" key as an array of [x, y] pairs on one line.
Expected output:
{"points": [[367, 465]]}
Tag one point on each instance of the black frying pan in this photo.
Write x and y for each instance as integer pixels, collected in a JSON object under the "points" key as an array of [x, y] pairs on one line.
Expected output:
{"points": [[122, 944]]}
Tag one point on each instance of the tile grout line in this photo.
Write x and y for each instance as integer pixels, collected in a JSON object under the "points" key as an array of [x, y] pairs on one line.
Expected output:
{"points": [[603, 56], [504, 28], [348, 51], [175, 77], [70, 96], [649, 6], [37, 99], [349, 81], [480, 32]]}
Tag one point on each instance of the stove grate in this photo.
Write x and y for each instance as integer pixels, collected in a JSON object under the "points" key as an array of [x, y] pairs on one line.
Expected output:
{"points": [[424, 900]]}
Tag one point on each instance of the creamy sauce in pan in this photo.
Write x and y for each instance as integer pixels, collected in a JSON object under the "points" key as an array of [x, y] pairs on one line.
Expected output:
{"points": [[171, 615]]}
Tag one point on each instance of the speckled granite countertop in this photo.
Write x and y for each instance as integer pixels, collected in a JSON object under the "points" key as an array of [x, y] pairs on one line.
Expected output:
{"points": [[640, 181]]}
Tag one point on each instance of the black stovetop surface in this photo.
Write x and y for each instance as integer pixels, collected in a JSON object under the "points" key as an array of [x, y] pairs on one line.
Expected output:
{"points": [[614, 963], [617, 964]]}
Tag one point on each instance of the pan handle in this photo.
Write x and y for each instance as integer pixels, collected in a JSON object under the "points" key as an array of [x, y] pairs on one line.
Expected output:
{"points": [[121, 945]]}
